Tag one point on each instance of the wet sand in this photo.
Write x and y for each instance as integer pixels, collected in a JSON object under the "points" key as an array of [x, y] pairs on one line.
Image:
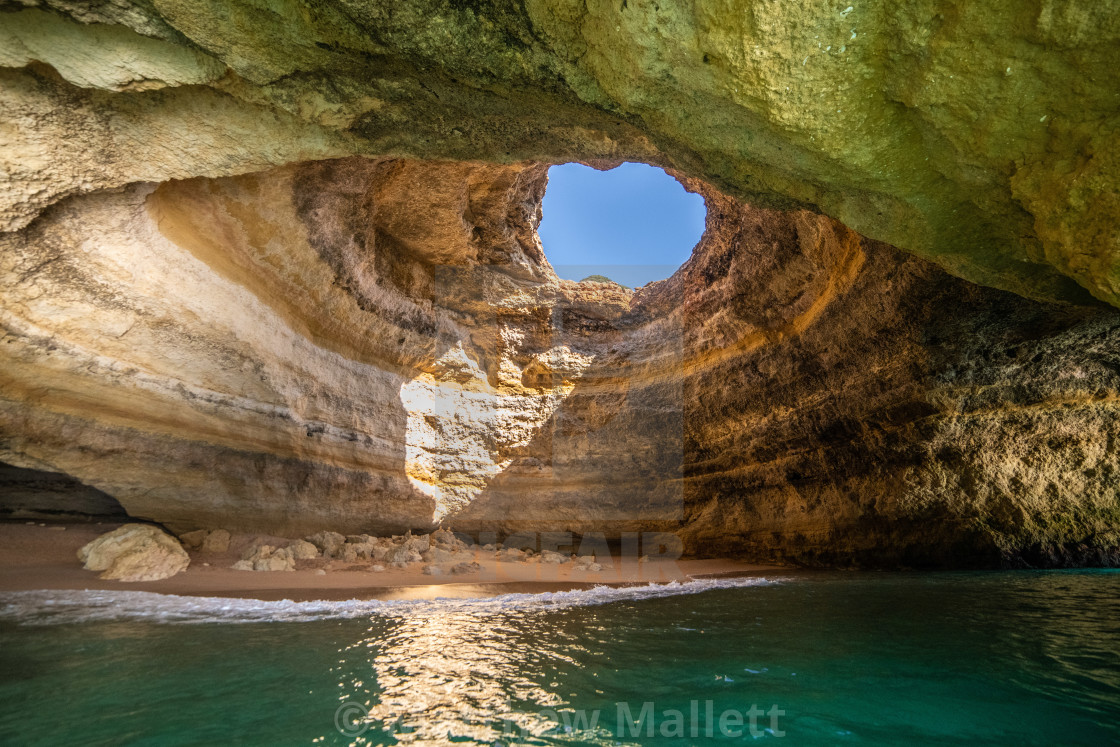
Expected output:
{"points": [[35, 556]]}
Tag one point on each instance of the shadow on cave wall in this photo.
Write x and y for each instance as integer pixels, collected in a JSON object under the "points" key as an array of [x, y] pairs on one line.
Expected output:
{"points": [[609, 458], [303, 457], [841, 404], [816, 425], [810, 424], [45, 496]]}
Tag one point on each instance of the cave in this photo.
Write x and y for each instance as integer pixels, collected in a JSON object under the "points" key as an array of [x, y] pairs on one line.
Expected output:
{"points": [[313, 429], [36, 494], [795, 392]]}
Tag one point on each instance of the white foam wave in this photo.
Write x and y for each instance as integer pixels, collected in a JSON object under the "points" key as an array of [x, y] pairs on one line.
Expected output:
{"points": [[54, 607]]}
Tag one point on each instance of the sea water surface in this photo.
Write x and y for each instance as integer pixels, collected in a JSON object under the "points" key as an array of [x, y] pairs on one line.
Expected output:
{"points": [[827, 658]]}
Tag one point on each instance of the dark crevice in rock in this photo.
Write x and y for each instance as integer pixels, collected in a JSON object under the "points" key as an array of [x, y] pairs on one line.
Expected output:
{"points": [[42, 495]]}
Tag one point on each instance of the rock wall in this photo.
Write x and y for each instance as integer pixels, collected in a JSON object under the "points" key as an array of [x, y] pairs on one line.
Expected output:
{"points": [[35, 494], [371, 345], [980, 136], [274, 266], [879, 412]]}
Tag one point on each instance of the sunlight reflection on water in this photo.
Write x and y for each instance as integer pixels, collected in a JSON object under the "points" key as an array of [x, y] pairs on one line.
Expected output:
{"points": [[456, 673]]}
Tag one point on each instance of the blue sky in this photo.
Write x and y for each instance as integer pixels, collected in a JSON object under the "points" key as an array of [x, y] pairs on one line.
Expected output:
{"points": [[634, 224]]}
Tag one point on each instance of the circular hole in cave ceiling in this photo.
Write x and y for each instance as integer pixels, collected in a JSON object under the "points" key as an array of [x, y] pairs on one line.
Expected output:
{"points": [[633, 224]]}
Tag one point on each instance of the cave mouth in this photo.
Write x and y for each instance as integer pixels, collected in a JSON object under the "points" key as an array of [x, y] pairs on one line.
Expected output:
{"points": [[53, 496], [632, 225]]}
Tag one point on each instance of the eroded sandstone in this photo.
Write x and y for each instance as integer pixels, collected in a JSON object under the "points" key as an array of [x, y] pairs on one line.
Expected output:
{"points": [[275, 268], [979, 137], [266, 353]]}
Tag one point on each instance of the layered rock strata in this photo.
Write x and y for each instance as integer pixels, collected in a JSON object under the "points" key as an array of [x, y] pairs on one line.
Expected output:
{"points": [[373, 345], [980, 136], [231, 298]]}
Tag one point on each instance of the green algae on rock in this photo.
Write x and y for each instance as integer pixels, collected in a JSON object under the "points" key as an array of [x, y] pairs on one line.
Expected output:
{"points": [[976, 136]]}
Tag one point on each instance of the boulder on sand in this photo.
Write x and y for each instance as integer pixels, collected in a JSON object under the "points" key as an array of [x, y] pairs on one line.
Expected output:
{"points": [[417, 542], [303, 550], [216, 541], [403, 554], [279, 560], [555, 558], [260, 557], [328, 542], [135, 552], [206, 540], [193, 540]]}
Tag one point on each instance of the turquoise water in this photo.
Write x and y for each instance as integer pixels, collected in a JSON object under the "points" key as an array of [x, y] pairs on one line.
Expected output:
{"points": [[831, 658]]}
